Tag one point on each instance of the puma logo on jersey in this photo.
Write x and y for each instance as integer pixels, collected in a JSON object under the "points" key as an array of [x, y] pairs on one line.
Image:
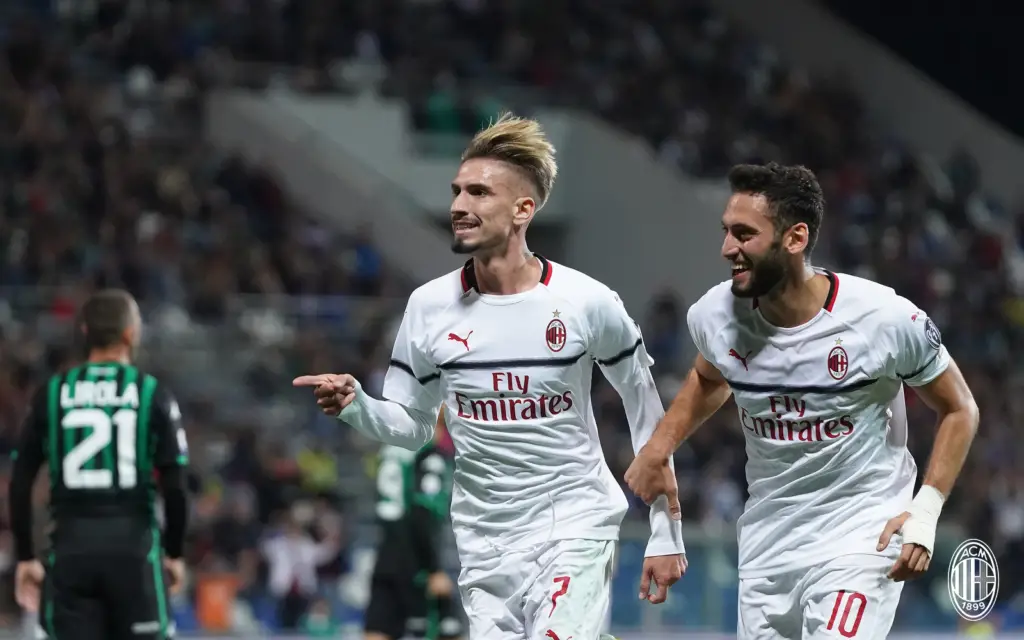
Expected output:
{"points": [[743, 359], [554, 636], [465, 341]]}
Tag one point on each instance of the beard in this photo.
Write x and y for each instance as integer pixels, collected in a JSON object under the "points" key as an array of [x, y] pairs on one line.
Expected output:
{"points": [[461, 247], [764, 274]]}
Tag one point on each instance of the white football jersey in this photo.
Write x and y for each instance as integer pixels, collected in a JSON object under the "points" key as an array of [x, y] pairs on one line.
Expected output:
{"points": [[514, 375], [821, 407]]}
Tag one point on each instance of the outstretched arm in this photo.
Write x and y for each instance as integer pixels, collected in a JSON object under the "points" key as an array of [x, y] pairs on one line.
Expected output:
{"points": [[405, 417], [389, 422]]}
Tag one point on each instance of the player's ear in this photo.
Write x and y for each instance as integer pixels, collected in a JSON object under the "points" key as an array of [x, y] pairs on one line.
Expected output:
{"points": [[526, 207], [796, 238], [129, 334]]}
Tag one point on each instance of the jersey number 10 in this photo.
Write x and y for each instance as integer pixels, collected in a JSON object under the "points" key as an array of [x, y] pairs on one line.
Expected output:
{"points": [[101, 436]]}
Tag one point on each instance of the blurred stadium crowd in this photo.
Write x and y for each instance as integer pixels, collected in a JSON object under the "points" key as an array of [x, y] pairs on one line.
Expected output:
{"points": [[105, 181]]}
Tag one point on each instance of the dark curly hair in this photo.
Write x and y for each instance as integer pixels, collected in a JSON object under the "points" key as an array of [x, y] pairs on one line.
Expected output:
{"points": [[792, 192]]}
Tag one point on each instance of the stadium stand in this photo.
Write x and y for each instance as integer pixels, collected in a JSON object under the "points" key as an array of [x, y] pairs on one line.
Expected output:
{"points": [[105, 180]]}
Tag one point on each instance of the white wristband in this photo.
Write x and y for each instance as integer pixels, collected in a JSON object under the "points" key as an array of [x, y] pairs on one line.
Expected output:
{"points": [[924, 511], [928, 501]]}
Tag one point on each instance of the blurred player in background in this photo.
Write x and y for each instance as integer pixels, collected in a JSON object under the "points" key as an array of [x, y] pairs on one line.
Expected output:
{"points": [[507, 344], [104, 429], [410, 593], [817, 363]]}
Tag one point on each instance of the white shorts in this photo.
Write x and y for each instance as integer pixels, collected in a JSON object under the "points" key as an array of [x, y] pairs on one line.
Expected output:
{"points": [[849, 597], [554, 591]]}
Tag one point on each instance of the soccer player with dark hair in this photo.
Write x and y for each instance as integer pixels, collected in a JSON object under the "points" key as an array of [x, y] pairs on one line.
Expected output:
{"points": [[110, 436], [817, 363]]}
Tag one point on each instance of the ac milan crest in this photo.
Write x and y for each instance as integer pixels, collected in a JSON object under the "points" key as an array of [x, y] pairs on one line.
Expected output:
{"points": [[555, 335], [838, 363]]}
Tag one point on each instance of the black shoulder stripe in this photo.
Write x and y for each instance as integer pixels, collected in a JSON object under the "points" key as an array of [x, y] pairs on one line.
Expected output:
{"points": [[918, 372], [406, 368], [622, 355]]}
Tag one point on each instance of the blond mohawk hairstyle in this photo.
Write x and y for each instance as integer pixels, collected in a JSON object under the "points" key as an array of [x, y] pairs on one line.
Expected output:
{"points": [[521, 143]]}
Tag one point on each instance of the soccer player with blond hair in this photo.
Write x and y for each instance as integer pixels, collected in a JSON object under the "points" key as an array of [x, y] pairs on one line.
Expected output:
{"points": [[507, 344]]}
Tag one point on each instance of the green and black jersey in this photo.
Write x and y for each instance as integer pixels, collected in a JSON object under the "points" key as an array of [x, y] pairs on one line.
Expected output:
{"points": [[413, 498], [105, 431]]}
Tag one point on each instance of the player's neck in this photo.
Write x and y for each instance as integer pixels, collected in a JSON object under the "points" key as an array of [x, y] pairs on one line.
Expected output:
{"points": [[514, 271], [119, 355], [797, 300]]}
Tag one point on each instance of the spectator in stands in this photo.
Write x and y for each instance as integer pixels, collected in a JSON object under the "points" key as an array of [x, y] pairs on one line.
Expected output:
{"points": [[666, 335], [328, 525], [237, 536], [293, 557]]}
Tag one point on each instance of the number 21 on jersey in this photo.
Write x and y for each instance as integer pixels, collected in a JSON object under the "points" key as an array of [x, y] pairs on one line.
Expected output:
{"points": [[103, 429]]}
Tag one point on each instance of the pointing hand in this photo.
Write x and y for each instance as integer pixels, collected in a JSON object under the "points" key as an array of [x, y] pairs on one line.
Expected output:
{"points": [[333, 391]]}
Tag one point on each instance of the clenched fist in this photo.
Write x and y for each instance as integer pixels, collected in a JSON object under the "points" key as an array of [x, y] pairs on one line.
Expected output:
{"points": [[333, 391], [650, 476]]}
